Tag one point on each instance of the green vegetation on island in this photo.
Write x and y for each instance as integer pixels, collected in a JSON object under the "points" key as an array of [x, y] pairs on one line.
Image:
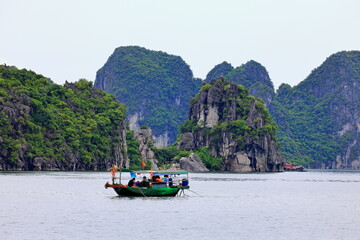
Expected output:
{"points": [[252, 75], [47, 126], [156, 88], [318, 119]]}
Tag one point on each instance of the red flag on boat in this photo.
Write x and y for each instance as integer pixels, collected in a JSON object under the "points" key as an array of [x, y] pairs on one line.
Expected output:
{"points": [[143, 164]]}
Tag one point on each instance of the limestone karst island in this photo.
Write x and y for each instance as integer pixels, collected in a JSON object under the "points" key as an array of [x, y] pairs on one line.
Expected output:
{"points": [[147, 106]]}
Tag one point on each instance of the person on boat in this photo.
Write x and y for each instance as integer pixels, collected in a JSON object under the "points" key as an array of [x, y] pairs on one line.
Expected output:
{"points": [[165, 179], [144, 182], [131, 182], [171, 183], [158, 179], [153, 179], [113, 172]]}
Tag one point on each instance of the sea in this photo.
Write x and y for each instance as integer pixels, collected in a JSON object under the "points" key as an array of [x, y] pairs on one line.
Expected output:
{"points": [[286, 205]]}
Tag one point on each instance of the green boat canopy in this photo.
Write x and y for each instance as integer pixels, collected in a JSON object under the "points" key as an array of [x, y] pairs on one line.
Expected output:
{"points": [[125, 170], [161, 172], [168, 172]]}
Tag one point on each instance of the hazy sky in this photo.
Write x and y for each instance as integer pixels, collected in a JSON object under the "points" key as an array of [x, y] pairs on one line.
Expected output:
{"points": [[72, 39]]}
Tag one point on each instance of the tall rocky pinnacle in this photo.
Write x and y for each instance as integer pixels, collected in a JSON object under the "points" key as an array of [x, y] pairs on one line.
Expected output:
{"points": [[251, 75], [155, 87], [319, 119], [233, 125]]}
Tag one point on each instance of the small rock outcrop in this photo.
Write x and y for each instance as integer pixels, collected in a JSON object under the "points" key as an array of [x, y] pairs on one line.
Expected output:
{"points": [[187, 141], [233, 125], [145, 139], [192, 163]]}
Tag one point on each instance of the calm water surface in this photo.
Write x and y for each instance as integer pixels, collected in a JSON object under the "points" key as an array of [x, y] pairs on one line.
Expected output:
{"points": [[75, 205]]}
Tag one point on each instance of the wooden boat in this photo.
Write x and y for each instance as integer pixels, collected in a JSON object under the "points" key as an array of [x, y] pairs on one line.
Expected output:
{"points": [[153, 189], [292, 167]]}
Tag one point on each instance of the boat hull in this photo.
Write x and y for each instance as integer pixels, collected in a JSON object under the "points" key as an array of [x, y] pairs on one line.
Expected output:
{"points": [[123, 190]]}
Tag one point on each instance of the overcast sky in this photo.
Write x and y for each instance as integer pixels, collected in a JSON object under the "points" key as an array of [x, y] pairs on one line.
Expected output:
{"points": [[72, 39]]}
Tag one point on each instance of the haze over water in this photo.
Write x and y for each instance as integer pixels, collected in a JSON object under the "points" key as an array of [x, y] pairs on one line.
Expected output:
{"points": [[289, 205]]}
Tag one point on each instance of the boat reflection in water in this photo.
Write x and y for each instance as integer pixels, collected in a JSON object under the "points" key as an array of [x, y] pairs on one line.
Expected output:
{"points": [[165, 183]]}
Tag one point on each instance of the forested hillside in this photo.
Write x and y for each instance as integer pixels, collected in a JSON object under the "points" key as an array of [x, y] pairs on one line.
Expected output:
{"points": [[319, 119], [156, 88], [45, 126]]}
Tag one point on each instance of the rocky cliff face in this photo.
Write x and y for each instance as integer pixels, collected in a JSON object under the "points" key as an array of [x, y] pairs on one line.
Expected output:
{"points": [[232, 125], [319, 119], [251, 75], [156, 88], [145, 139]]}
